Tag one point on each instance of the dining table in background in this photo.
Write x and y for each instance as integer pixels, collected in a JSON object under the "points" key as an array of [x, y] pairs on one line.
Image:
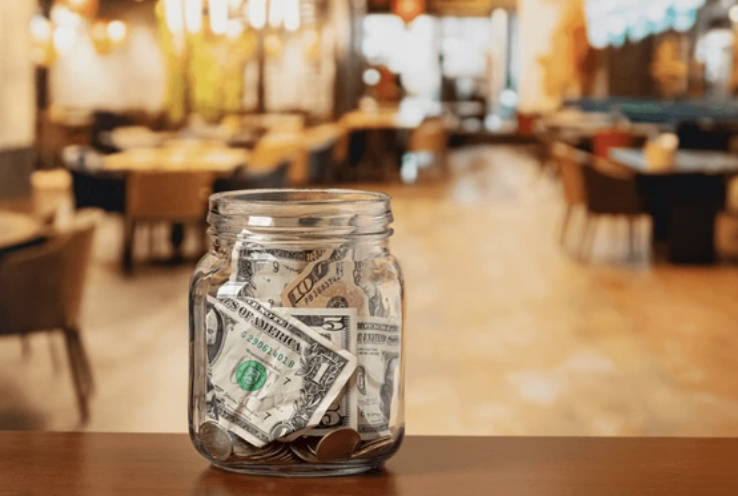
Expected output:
{"points": [[82, 464], [212, 158], [17, 230], [684, 198]]}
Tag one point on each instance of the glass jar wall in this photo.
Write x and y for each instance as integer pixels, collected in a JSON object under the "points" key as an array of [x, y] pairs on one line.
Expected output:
{"points": [[296, 334]]}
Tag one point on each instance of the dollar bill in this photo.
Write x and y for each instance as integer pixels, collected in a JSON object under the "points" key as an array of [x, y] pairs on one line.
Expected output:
{"points": [[263, 273], [377, 379], [326, 283], [339, 326], [382, 291], [272, 374]]}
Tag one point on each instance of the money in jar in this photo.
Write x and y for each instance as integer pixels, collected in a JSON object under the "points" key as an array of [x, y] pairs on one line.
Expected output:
{"points": [[297, 334]]}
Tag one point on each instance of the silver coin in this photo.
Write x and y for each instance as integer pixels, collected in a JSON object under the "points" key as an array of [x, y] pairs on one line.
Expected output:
{"points": [[303, 453], [215, 440], [242, 449], [271, 450]]}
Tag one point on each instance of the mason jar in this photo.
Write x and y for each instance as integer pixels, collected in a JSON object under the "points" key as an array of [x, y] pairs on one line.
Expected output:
{"points": [[296, 334]]}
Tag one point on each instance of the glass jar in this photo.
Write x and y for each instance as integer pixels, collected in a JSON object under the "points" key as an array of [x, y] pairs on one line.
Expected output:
{"points": [[296, 342]]}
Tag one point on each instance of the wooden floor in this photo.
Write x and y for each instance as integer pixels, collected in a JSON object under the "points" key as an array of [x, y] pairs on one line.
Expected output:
{"points": [[507, 332]]}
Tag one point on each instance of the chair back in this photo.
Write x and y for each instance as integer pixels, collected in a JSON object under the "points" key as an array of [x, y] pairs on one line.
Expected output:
{"points": [[41, 287], [430, 136], [99, 189], [176, 196], [570, 164], [320, 162], [610, 190], [276, 178], [602, 141], [696, 136]]}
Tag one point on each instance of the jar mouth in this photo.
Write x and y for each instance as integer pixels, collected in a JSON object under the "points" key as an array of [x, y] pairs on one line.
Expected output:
{"points": [[276, 197], [274, 214]]}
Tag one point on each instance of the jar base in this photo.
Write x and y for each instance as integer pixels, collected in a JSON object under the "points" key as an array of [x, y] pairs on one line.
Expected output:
{"points": [[302, 470]]}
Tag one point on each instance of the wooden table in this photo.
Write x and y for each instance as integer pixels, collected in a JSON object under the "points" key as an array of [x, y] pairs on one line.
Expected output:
{"points": [[17, 229], [80, 464], [684, 199], [214, 159]]}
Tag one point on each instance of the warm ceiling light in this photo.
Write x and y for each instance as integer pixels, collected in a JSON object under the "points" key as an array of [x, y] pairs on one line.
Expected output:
{"points": [[733, 13], [64, 39], [276, 13], [174, 16], [117, 31], [256, 11], [218, 13], [62, 16], [40, 29], [234, 29], [292, 15], [193, 15]]}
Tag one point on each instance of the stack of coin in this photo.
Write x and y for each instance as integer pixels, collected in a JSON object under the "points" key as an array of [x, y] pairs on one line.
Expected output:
{"points": [[338, 445]]}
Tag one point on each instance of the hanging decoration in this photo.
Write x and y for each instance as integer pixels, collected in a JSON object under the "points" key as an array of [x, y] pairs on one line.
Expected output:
{"points": [[613, 22]]}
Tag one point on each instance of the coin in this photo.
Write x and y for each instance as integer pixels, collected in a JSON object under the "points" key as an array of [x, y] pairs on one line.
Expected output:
{"points": [[373, 448], [268, 452], [337, 445], [242, 449], [215, 440], [300, 449]]}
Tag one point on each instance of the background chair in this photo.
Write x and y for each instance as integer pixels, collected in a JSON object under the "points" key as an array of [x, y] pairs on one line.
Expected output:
{"points": [[569, 163], [92, 186], [41, 290], [694, 135], [320, 163], [609, 192], [429, 144], [602, 141], [274, 178], [176, 197]]}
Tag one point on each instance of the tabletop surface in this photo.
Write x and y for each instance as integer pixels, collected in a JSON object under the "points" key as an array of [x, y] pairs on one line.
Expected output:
{"points": [[685, 162], [166, 464], [213, 159], [16, 229]]}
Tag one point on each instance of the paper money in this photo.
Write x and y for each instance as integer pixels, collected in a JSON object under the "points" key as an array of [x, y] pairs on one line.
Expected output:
{"points": [[339, 326], [272, 375], [326, 283], [382, 290], [263, 273], [377, 380]]}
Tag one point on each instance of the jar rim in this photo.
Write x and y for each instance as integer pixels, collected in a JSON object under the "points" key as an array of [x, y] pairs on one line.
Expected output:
{"points": [[300, 196], [279, 214]]}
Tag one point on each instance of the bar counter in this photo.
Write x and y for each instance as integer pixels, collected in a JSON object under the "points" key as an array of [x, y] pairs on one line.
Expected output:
{"points": [[166, 464]]}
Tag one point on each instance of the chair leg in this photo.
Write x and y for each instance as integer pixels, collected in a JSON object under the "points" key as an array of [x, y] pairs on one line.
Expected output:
{"points": [[25, 347], [588, 238], [77, 369], [631, 237], [565, 225], [55, 364], [129, 235]]}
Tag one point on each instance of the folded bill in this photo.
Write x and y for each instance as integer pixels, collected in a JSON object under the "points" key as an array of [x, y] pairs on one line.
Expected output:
{"points": [[339, 326], [271, 375], [377, 379]]}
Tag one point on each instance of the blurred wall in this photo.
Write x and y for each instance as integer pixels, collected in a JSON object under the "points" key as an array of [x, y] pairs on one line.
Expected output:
{"points": [[130, 77], [17, 99], [539, 21], [17, 90]]}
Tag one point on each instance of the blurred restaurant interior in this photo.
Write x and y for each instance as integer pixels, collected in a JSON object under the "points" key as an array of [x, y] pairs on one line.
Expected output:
{"points": [[562, 183]]}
